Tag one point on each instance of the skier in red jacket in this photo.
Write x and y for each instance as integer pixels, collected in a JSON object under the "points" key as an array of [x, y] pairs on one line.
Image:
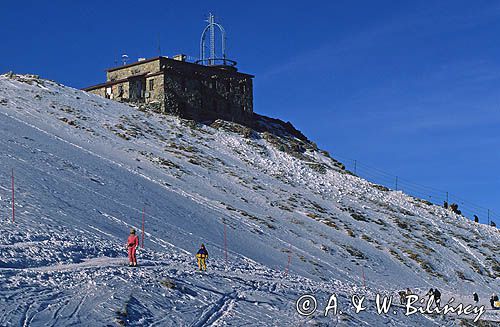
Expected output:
{"points": [[132, 244]]}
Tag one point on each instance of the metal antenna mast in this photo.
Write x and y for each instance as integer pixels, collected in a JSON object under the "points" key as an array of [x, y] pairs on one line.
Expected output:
{"points": [[212, 59], [211, 23]]}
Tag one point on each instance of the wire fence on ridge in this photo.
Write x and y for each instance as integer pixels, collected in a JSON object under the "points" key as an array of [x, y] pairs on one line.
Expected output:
{"points": [[428, 193]]}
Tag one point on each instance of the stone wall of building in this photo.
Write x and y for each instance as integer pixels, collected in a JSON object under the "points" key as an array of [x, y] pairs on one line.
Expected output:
{"points": [[119, 91], [137, 68], [201, 92], [155, 91], [98, 91]]}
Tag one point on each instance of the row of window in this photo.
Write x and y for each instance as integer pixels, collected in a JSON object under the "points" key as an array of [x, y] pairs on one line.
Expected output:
{"points": [[228, 85], [220, 106], [215, 84], [151, 86]]}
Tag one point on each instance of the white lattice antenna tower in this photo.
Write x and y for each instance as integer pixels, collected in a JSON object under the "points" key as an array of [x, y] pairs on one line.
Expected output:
{"points": [[210, 29]]}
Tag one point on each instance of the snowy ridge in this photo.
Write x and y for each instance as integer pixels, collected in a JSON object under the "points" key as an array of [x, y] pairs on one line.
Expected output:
{"points": [[85, 167]]}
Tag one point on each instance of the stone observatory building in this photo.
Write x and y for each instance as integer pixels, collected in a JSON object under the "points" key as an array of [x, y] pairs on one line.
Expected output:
{"points": [[206, 89]]}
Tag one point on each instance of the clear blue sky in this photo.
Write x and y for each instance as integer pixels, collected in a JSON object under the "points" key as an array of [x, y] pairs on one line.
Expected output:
{"points": [[410, 87]]}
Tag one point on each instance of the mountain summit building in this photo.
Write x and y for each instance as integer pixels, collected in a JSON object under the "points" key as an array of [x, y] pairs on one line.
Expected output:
{"points": [[208, 88]]}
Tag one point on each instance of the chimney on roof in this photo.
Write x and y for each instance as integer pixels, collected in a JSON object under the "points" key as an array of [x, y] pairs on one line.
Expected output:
{"points": [[180, 57]]}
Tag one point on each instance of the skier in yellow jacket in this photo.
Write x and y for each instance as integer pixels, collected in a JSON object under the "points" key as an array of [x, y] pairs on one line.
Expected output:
{"points": [[202, 256]]}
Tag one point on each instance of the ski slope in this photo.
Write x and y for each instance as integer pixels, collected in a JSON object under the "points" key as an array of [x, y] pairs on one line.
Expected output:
{"points": [[86, 167]]}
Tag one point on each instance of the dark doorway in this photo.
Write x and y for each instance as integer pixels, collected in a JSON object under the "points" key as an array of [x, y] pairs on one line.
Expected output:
{"points": [[137, 88]]}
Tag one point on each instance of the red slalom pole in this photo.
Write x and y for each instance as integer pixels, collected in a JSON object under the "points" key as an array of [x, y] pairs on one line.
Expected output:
{"points": [[143, 214], [13, 199]]}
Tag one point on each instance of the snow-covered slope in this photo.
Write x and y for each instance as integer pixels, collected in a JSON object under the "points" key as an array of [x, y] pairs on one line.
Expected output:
{"points": [[85, 167]]}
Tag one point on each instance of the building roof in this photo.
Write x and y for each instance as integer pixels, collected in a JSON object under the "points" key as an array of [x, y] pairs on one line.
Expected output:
{"points": [[98, 86], [118, 81], [215, 69], [134, 64], [176, 62]]}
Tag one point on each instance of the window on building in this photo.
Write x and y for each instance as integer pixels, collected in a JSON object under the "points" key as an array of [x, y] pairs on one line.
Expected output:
{"points": [[151, 84], [120, 90], [109, 92]]}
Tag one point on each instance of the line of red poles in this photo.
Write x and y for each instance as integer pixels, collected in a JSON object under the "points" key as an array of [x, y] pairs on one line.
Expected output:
{"points": [[143, 223]]}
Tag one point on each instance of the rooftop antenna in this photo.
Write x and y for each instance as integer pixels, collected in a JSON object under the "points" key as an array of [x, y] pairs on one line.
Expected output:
{"points": [[159, 45], [212, 59], [124, 59]]}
